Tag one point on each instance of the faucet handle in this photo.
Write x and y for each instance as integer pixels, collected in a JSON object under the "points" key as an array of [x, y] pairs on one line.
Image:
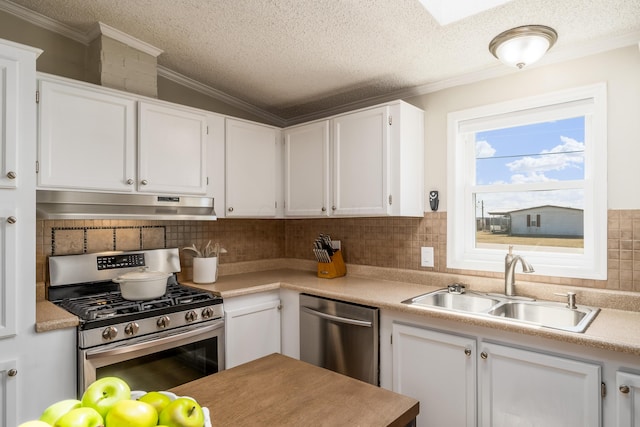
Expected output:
{"points": [[571, 299]]}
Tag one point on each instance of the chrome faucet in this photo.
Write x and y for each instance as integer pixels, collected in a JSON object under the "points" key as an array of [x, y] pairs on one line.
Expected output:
{"points": [[510, 262]]}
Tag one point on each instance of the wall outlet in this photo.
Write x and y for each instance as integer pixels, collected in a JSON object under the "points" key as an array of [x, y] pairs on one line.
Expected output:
{"points": [[426, 256]]}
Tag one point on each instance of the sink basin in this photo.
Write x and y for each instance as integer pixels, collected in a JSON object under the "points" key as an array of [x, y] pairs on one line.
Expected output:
{"points": [[469, 301], [551, 315], [542, 313]]}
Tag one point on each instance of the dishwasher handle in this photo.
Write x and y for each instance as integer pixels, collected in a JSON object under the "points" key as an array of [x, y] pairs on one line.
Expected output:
{"points": [[336, 318]]}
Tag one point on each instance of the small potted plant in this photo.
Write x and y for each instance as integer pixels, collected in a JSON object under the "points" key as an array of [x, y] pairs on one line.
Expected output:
{"points": [[205, 262]]}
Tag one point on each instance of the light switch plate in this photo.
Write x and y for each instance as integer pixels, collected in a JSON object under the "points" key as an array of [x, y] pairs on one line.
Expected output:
{"points": [[426, 256]]}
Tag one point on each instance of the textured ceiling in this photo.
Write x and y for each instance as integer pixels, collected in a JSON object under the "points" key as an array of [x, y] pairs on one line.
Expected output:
{"points": [[296, 57]]}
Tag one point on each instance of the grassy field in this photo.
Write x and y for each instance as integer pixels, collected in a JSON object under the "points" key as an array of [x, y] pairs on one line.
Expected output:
{"points": [[497, 239]]}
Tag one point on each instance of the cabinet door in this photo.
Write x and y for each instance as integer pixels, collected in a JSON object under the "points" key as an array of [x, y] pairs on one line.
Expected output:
{"points": [[252, 332], [8, 393], [439, 370], [172, 150], [8, 269], [306, 176], [521, 387], [86, 139], [8, 122], [252, 152], [628, 399], [360, 163]]}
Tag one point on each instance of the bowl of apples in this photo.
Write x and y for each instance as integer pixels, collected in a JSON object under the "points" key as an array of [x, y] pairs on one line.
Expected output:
{"points": [[110, 402]]}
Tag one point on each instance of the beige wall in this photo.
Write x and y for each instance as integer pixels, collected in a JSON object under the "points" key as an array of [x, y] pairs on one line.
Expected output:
{"points": [[620, 69]]}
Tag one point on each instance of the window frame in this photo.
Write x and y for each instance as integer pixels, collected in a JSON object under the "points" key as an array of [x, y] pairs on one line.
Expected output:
{"points": [[461, 251]]}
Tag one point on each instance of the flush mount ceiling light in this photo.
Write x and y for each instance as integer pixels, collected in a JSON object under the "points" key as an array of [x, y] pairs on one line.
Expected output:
{"points": [[521, 46]]}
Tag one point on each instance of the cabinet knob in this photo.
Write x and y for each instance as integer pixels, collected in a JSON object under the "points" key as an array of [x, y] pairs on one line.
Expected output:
{"points": [[484, 355], [144, 182], [12, 220], [624, 389], [324, 209], [129, 181], [230, 209], [11, 175], [12, 372], [467, 352], [333, 208]]}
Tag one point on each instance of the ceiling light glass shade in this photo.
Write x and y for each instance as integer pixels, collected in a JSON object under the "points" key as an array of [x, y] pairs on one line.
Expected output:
{"points": [[521, 46]]}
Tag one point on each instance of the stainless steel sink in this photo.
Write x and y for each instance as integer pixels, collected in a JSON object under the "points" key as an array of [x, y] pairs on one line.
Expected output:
{"points": [[468, 302], [548, 314], [542, 313]]}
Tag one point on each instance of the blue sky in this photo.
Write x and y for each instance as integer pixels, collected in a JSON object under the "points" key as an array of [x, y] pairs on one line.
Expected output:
{"points": [[541, 152]]}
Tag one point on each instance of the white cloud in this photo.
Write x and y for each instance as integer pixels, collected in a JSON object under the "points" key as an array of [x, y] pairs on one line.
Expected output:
{"points": [[558, 158], [484, 149], [532, 176]]}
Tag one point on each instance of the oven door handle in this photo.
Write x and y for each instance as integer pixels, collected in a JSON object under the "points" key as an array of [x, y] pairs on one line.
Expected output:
{"points": [[129, 348]]}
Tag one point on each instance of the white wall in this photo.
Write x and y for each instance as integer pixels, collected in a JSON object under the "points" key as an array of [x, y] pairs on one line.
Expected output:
{"points": [[619, 68]]}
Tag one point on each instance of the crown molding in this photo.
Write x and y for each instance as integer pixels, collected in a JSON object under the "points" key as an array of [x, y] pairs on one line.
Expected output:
{"points": [[106, 30], [219, 95], [43, 21]]}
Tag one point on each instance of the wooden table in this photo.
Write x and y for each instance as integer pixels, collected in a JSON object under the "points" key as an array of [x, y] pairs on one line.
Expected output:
{"points": [[277, 390]]}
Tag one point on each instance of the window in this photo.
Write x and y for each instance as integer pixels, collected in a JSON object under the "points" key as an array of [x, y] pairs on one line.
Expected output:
{"points": [[532, 174]]}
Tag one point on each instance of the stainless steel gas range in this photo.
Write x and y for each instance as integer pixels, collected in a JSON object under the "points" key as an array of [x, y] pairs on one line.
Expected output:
{"points": [[152, 344]]}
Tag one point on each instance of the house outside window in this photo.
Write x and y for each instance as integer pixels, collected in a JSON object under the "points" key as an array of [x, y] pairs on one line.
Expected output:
{"points": [[530, 173]]}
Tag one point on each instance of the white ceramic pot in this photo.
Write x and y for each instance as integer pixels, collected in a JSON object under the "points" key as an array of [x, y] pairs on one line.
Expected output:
{"points": [[205, 270], [142, 284]]}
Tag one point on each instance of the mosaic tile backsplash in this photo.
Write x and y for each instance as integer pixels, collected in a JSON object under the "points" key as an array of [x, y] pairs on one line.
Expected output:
{"points": [[381, 242]]}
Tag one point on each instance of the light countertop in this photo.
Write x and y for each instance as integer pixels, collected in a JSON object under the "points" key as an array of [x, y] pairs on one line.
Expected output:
{"points": [[613, 329]]}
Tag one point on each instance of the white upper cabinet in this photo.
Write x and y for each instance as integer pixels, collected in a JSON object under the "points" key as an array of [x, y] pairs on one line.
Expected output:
{"points": [[90, 138], [8, 122], [365, 163], [87, 138], [360, 163], [172, 150], [253, 169], [306, 170]]}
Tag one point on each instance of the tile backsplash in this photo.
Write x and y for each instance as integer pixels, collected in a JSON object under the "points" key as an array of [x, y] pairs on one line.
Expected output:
{"points": [[382, 242]]}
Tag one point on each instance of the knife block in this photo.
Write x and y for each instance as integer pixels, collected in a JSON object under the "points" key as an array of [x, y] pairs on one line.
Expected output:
{"points": [[333, 269]]}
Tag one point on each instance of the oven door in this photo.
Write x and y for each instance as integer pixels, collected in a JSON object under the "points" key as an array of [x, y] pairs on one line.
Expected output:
{"points": [[157, 362]]}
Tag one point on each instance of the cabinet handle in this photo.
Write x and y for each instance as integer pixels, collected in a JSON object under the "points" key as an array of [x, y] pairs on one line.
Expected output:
{"points": [[624, 389], [230, 209], [144, 182], [12, 220], [484, 355], [467, 352], [11, 175], [12, 372], [129, 181]]}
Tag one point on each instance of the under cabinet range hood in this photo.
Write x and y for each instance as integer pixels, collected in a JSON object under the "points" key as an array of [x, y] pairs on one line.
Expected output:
{"points": [[87, 205]]}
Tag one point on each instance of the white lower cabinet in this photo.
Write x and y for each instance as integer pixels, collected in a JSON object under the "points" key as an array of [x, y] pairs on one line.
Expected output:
{"points": [[628, 399], [526, 388], [515, 386], [252, 327], [8, 392], [439, 370]]}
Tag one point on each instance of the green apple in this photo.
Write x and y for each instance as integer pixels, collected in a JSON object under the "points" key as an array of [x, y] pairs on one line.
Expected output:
{"points": [[102, 394], [80, 417], [132, 413], [35, 423], [156, 399], [182, 412], [58, 409]]}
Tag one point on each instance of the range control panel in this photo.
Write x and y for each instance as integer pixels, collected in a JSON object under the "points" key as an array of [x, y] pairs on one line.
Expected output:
{"points": [[109, 262]]}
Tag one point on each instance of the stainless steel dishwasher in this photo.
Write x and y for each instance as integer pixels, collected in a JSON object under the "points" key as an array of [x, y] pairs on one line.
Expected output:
{"points": [[340, 336]]}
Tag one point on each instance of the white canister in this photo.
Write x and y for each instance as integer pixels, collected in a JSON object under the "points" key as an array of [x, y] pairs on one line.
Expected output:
{"points": [[205, 270]]}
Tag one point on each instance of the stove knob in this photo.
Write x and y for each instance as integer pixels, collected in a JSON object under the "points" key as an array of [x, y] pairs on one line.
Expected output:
{"points": [[131, 329], [207, 313], [191, 316], [163, 322], [109, 333]]}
